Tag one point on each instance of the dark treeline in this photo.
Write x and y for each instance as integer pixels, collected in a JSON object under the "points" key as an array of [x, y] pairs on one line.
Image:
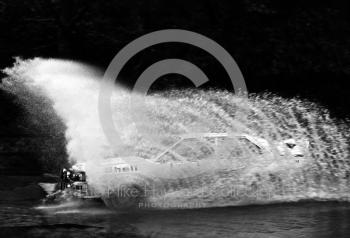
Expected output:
{"points": [[290, 47]]}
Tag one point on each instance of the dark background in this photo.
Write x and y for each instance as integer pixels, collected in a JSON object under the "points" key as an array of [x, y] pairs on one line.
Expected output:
{"points": [[290, 47]]}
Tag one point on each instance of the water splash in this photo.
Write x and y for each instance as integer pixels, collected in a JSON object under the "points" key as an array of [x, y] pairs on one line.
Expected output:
{"points": [[231, 173], [71, 87]]}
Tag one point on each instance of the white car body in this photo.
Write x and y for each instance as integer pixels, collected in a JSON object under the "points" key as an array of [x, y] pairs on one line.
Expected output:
{"points": [[292, 151]]}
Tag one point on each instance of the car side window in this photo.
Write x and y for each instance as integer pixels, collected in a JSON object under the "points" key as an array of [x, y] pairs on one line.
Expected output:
{"points": [[250, 146]]}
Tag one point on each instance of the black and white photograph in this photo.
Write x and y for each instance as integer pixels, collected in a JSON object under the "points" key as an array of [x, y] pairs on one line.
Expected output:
{"points": [[175, 118]]}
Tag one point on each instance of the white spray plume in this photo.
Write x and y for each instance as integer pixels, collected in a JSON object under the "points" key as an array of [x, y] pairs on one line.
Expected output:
{"points": [[73, 89]]}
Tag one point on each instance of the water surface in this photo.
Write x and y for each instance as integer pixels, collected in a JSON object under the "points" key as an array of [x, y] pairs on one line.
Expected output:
{"points": [[305, 219]]}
